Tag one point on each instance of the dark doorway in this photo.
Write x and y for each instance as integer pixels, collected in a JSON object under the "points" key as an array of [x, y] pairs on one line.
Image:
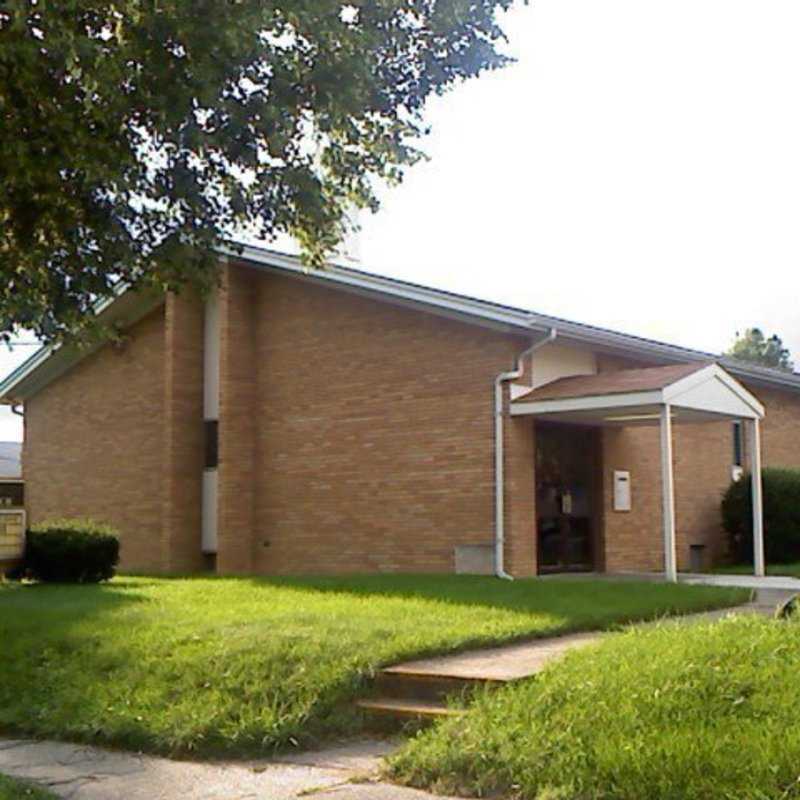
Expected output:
{"points": [[566, 487]]}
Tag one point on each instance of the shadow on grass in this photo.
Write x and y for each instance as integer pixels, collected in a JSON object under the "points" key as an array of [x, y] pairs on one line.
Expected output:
{"points": [[212, 666], [69, 601], [577, 604]]}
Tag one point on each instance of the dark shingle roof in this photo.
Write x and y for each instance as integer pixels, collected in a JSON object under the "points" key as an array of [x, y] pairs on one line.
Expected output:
{"points": [[617, 382]]}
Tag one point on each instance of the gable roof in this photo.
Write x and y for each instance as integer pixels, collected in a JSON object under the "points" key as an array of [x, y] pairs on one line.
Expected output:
{"points": [[701, 392], [48, 363], [610, 383]]}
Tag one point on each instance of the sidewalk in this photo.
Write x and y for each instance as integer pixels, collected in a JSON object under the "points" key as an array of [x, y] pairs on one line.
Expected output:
{"points": [[78, 772], [768, 583], [516, 661]]}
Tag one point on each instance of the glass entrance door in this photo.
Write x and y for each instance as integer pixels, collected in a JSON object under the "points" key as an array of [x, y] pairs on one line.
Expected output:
{"points": [[565, 465]]}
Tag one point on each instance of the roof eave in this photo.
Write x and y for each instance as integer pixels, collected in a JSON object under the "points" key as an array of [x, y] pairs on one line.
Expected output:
{"points": [[400, 291], [508, 317], [47, 364]]}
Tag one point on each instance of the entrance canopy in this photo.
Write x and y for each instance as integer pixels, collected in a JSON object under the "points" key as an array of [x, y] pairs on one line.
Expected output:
{"points": [[692, 393]]}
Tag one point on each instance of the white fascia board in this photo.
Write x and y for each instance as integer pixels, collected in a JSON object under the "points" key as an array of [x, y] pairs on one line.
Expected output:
{"points": [[713, 372], [23, 370], [758, 374], [345, 276], [40, 356], [50, 362], [450, 304], [576, 332], [605, 402]]}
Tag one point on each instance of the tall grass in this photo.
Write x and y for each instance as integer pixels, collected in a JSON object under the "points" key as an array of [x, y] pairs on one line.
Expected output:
{"points": [[678, 712]]}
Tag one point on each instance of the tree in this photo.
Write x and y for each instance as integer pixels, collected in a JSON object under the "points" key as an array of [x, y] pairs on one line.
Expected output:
{"points": [[755, 348], [136, 135]]}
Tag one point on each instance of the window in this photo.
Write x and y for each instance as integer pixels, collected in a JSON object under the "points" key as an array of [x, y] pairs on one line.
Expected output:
{"points": [[738, 445], [211, 443]]}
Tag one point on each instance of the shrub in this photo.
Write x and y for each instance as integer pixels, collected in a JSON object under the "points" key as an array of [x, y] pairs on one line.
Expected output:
{"points": [[781, 491], [71, 551]]}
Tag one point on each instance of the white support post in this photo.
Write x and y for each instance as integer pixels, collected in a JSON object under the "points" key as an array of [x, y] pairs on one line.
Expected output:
{"points": [[668, 496], [758, 506]]}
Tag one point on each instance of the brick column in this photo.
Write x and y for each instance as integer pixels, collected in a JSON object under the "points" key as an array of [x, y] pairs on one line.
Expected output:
{"points": [[183, 433], [237, 423], [520, 486]]}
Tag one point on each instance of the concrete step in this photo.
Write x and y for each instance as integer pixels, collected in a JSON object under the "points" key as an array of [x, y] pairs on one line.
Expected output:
{"points": [[424, 686], [408, 709], [773, 598], [406, 694]]}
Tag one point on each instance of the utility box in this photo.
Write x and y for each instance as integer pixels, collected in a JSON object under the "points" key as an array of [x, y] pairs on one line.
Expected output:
{"points": [[697, 557], [622, 490], [474, 559]]}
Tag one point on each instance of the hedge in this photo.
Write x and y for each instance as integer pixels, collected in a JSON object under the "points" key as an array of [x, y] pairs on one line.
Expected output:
{"points": [[71, 551], [781, 491]]}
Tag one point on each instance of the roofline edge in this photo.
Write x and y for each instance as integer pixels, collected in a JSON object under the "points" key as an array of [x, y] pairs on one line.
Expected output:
{"points": [[450, 302]]}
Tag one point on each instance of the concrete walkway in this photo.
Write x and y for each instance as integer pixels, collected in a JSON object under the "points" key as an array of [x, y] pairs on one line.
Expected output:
{"points": [[517, 661], [76, 772], [782, 583], [769, 583], [509, 663]]}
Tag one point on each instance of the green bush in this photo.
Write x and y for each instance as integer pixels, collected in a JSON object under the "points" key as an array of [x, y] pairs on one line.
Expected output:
{"points": [[781, 491], [71, 551]]}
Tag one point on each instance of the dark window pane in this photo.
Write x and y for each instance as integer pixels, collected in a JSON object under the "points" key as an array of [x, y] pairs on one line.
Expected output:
{"points": [[212, 443], [737, 444], [12, 494]]}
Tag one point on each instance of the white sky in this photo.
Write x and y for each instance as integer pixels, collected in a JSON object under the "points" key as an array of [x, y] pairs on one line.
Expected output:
{"points": [[638, 168]]}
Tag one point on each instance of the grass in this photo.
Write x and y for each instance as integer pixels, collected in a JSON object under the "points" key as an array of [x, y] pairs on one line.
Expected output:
{"points": [[791, 570], [11, 789], [672, 712], [213, 667]]}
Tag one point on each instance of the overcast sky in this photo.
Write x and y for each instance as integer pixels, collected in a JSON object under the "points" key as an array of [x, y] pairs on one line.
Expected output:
{"points": [[637, 168]]}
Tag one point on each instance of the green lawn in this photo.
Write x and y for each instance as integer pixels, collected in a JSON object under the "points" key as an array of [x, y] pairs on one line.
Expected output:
{"points": [[792, 570], [212, 667], [11, 789], [674, 712]]}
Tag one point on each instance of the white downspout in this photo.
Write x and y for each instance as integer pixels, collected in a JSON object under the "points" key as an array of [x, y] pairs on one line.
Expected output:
{"points": [[499, 472]]}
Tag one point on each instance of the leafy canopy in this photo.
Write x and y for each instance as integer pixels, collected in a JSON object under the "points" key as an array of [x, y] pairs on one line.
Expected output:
{"points": [[136, 135], [752, 346]]}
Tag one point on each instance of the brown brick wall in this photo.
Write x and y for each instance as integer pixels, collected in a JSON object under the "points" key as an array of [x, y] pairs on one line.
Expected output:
{"points": [[94, 443], [239, 472], [703, 458], [520, 497], [183, 434], [780, 430], [632, 538], [702, 471], [374, 435]]}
